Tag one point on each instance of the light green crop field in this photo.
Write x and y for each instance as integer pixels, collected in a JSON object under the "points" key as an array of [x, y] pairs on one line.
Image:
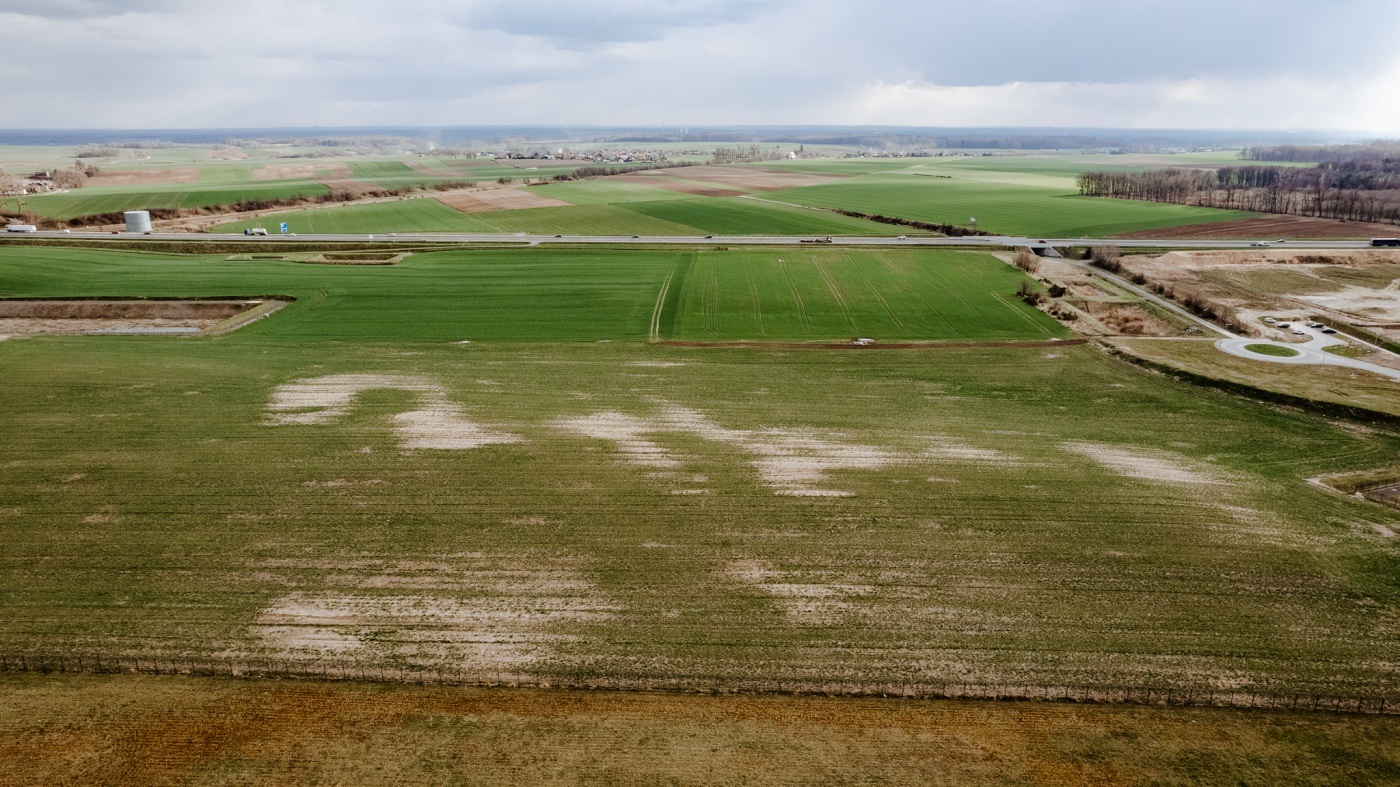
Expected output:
{"points": [[83, 202], [739, 216], [599, 191], [799, 294], [1016, 195], [999, 207], [584, 220], [423, 214], [347, 483], [683, 216]]}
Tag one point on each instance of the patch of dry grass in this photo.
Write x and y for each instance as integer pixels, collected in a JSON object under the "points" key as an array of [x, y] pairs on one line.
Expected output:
{"points": [[164, 730]]}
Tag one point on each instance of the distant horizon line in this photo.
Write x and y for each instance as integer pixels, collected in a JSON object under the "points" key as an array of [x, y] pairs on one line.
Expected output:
{"points": [[1010, 137]]}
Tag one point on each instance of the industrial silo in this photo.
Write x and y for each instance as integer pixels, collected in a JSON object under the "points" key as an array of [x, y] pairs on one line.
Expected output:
{"points": [[138, 221]]}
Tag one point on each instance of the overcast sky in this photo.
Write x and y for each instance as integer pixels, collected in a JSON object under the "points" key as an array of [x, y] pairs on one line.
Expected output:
{"points": [[1220, 64]]}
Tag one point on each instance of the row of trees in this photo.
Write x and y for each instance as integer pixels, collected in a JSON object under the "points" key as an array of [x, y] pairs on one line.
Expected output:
{"points": [[1320, 154], [1358, 190]]}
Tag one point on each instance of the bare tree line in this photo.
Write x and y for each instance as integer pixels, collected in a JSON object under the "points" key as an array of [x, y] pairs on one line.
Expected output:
{"points": [[1318, 154], [1360, 189]]}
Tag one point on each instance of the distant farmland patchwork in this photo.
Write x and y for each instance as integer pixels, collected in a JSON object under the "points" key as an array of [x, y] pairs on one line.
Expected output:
{"points": [[691, 216], [1013, 195], [1032, 195]]}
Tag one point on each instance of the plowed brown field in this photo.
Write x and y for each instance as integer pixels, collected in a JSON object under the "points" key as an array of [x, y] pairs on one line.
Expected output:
{"points": [[147, 177]]}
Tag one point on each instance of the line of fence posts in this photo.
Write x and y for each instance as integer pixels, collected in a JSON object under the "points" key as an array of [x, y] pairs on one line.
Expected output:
{"points": [[324, 671]]}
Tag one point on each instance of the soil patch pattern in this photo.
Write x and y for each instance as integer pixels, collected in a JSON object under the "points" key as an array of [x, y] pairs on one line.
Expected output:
{"points": [[498, 199]]}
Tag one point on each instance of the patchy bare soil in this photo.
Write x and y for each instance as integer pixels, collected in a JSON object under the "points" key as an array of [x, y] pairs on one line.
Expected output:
{"points": [[682, 186], [498, 199], [437, 423], [792, 462], [1157, 466], [1271, 227], [300, 171], [731, 178], [355, 188], [479, 611]]}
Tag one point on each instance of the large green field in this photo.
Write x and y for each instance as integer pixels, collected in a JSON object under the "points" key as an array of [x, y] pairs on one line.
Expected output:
{"points": [[348, 482], [88, 201], [1026, 195], [1019, 203], [799, 294], [590, 216]]}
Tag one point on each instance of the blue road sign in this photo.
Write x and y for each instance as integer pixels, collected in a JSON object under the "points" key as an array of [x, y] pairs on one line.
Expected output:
{"points": [[284, 228]]}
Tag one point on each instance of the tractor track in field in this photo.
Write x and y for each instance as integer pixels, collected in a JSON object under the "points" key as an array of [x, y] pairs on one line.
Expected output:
{"points": [[796, 296], [654, 334], [835, 291], [875, 291]]}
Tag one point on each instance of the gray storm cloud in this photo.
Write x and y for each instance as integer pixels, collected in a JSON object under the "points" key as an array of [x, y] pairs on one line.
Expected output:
{"points": [[447, 62]]}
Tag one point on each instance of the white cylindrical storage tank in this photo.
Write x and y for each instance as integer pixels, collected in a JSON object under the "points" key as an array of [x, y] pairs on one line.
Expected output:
{"points": [[138, 221]]}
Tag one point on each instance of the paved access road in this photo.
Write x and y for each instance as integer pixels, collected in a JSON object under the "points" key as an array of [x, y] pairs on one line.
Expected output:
{"points": [[1309, 352], [992, 241]]}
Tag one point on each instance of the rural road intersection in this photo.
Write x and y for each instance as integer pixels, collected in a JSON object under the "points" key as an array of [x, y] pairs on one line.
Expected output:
{"points": [[1309, 352]]}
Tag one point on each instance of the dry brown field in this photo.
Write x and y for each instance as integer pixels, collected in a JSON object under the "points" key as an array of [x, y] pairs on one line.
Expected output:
{"points": [[146, 177], [170, 730]]}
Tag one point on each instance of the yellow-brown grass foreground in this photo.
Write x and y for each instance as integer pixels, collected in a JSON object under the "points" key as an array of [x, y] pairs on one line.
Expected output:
{"points": [[165, 730]]}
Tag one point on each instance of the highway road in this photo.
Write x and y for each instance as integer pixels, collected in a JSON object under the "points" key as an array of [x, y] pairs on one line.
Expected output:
{"points": [[989, 241]]}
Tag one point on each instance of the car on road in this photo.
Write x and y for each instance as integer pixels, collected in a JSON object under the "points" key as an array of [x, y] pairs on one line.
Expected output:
{"points": [[1260, 243], [902, 237], [1270, 320], [1329, 331], [1300, 331], [707, 237], [1315, 325], [1285, 325]]}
